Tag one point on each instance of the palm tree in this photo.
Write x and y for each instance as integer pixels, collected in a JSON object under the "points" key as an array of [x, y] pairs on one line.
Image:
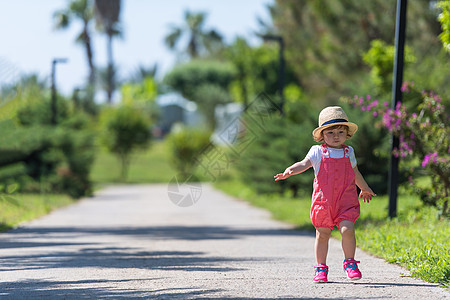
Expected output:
{"points": [[83, 11], [143, 72], [107, 12], [200, 40]]}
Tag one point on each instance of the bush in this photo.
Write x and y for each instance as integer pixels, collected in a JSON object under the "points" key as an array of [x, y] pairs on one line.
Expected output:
{"points": [[278, 145], [421, 126], [37, 155], [185, 146]]}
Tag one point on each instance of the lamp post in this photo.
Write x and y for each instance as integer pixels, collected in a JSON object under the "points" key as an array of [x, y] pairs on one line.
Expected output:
{"points": [[53, 100], [279, 39], [400, 31]]}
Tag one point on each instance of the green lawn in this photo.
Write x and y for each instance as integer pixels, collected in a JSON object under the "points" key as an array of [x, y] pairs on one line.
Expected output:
{"points": [[20, 208], [149, 166]]}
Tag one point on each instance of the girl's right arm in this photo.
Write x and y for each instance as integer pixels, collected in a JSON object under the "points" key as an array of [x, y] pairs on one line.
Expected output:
{"points": [[297, 168]]}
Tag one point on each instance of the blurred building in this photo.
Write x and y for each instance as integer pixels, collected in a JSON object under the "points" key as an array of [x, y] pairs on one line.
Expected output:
{"points": [[175, 109], [228, 123]]}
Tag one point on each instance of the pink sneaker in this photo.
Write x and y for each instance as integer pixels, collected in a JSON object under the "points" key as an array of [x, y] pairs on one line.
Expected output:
{"points": [[350, 265], [321, 272]]}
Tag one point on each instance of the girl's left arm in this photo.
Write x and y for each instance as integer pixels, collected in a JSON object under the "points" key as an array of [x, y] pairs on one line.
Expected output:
{"points": [[366, 191]]}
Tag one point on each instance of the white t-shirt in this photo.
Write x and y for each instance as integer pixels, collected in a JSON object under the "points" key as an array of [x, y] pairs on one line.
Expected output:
{"points": [[315, 156]]}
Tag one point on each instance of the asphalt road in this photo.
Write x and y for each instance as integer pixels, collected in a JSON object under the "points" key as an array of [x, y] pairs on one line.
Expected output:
{"points": [[132, 242]]}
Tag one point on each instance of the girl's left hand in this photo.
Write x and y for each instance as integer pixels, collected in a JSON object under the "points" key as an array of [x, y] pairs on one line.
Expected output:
{"points": [[366, 195]]}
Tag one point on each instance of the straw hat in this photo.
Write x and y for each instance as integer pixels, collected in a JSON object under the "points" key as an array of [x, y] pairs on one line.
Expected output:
{"points": [[332, 116]]}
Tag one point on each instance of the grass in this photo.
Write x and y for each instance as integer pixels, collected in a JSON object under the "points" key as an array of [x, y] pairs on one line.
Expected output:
{"points": [[20, 208], [416, 239], [149, 166]]}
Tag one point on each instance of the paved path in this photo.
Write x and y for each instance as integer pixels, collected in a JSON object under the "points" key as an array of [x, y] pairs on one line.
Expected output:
{"points": [[133, 242]]}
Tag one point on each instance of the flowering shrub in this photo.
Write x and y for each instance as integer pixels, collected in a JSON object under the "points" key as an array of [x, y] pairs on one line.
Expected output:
{"points": [[420, 124]]}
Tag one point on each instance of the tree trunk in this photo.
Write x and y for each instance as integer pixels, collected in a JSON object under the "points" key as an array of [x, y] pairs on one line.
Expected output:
{"points": [[110, 73], [90, 92]]}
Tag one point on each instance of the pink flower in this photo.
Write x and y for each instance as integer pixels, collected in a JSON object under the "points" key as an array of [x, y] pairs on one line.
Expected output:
{"points": [[425, 161], [428, 157]]}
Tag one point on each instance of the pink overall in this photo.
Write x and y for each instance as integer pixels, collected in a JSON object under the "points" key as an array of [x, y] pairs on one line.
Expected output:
{"points": [[335, 198]]}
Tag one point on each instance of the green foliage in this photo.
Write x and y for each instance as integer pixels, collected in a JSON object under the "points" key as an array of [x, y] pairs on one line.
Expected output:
{"points": [[208, 96], [421, 126], [257, 70], [326, 52], [371, 146], [185, 146], [77, 152], [186, 78], [380, 58], [139, 92], [414, 240], [201, 41], [38, 156], [444, 19], [295, 104], [280, 144], [124, 129], [142, 95], [38, 112]]}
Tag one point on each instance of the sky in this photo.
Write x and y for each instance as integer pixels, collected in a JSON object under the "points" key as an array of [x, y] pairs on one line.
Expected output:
{"points": [[29, 41]]}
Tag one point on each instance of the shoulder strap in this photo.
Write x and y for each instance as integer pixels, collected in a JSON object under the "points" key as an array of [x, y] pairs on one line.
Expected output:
{"points": [[325, 152], [346, 150]]}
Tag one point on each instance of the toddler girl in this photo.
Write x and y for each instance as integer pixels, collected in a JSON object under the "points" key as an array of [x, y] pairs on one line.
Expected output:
{"points": [[335, 198]]}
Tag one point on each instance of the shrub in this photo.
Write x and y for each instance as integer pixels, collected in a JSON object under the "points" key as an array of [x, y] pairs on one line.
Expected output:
{"points": [[46, 150], [421, 126], [275, 147], [185, 146]]}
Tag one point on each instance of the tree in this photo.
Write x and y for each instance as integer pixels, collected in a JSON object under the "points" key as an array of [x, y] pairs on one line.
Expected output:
{"points": [[107, 12], [124, 129], [444, 19], [84, 12], [325, 38], [186, 78], [200, 40], [257, 70], [143, 72]]}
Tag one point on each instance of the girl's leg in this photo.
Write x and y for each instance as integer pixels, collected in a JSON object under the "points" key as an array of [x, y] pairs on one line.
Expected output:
{"points": [[321, 246], [347, 229]]}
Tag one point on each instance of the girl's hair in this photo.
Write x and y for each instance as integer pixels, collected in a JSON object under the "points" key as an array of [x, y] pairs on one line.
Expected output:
{"points": [[336, 127]]}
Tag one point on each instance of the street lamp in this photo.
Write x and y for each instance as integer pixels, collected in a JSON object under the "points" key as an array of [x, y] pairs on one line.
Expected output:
{"points": [[400, 33], [279, 39], [53, 100]]}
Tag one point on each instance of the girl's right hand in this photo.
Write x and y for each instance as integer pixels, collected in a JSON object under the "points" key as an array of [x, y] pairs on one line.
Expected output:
{"points": [[280, 176]]}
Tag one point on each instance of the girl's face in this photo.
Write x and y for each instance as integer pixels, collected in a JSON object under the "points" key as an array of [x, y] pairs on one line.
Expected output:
{"points": [[335, 137]]}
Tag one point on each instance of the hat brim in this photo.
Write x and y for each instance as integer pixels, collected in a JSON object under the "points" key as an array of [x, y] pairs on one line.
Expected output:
{"points": [[352, 128]]}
